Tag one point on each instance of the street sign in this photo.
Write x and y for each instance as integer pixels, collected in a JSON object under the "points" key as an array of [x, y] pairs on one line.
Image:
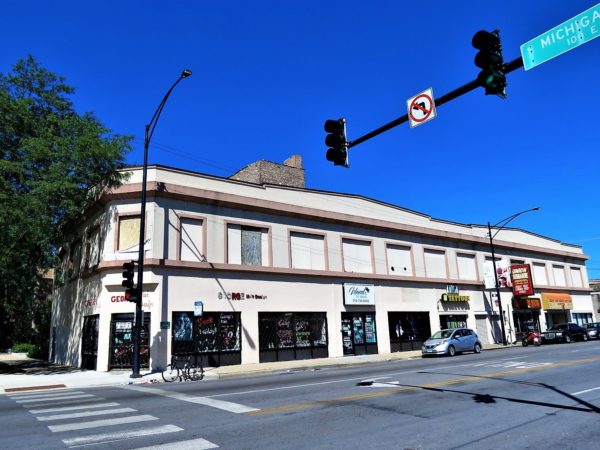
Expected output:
{"points": [[421, 108], [198, 308], [165, 325], [562, 38]]}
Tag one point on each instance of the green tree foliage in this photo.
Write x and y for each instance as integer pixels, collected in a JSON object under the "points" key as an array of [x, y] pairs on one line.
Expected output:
{"points": [[52, 161]]}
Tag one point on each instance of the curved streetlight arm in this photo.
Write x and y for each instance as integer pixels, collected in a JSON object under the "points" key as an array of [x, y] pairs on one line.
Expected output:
{"points": [[506, 221]]}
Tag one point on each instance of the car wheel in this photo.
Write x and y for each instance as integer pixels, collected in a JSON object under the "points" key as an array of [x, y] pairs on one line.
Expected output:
{"points": [[567, 338], [451, 351], [477, 348], [585, 337]]}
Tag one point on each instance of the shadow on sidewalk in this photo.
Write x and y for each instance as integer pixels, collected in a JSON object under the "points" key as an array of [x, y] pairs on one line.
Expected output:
{"points": [[33, 367]]}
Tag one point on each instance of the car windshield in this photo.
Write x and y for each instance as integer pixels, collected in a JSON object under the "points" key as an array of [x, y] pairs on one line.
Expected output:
{"points": [[592, 325], [443, 334]]}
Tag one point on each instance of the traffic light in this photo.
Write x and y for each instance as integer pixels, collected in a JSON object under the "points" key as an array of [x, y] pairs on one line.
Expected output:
{"points": [[489, 58], [127, 283], [337, 142]]}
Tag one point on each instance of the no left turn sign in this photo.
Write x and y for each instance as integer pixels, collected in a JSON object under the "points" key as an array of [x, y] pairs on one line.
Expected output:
{"points": [[421, 108]]}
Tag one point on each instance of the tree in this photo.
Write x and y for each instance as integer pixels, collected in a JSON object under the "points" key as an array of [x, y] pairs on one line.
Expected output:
{"points": [[52, 161]]}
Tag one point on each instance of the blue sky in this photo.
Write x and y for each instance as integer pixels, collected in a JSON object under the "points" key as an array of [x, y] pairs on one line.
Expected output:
{"points": [[267, 74]]}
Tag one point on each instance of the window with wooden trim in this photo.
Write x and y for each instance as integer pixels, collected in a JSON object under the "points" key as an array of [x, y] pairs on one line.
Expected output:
{"points": [[467, 269], [308, 251], [399, 260], [435, 263], [247, 245], [129, 232], [357, 256], [191, 239]]}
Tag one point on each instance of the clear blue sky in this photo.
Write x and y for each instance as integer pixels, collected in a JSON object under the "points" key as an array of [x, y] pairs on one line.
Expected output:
{"points": [[267, 74]]}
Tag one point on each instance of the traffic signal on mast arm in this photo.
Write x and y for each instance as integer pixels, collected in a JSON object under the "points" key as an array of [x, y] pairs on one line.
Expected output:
{"points": [[337, 142], [127, 283], [489, 58]]}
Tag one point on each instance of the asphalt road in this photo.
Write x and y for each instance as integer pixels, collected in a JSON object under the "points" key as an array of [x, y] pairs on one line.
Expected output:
{"points": [[535, 397]]}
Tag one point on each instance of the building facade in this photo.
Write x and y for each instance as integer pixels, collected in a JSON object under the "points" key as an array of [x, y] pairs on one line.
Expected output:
{"points": [[244, 271]]}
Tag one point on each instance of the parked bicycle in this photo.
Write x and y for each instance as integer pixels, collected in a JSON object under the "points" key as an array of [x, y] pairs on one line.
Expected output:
{"points": [[184, 368]]}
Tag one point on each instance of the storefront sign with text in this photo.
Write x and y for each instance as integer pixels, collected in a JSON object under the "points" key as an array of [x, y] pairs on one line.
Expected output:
{"points": [[240, 296], [455, 298], [521, 279]]}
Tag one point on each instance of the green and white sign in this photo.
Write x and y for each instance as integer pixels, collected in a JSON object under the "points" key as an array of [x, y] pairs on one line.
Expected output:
{"points": [[562, 38]]}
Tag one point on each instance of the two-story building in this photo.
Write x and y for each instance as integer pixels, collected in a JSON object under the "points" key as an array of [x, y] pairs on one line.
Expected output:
{"points": [[285, 272]]}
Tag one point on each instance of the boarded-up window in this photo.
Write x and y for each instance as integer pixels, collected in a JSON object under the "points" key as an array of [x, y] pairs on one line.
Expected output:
{"points": [[466, 266], [539, 274], [435, 263], [93, 248], [576, 280], [559, 275], [399, 260], [129, 232], [247, 245], [191, 240], [308, 251], [357, 256]]}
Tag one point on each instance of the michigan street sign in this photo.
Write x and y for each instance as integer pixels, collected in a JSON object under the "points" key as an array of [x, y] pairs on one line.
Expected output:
{"points": [[562, 38]]}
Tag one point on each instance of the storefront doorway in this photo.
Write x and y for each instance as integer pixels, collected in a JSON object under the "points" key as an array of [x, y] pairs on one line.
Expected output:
{"points": [[408, 330], [121, 341], [89, 342], [448, 321], [359, 335]]}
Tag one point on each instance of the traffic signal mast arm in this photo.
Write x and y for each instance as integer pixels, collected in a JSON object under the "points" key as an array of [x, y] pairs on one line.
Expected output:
{"points": [[506, 68]]}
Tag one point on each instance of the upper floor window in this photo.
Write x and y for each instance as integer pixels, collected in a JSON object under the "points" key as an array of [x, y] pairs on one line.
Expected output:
{"points": [[559, 275], [308, 251], [129, 232], [191, 240], [539, 274], [399, 260], [74, 259], [357, 256], [247, 245], [435, 263], [466, 266], [92, 258], [576, 280]]}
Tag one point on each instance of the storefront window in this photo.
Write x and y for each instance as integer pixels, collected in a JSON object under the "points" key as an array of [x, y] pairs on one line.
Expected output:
{"points": [[582, 318], [292, 330], [213, 332], [408, 330]]}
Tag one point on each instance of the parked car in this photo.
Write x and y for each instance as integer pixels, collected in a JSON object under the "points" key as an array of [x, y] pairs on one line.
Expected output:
{"points": [[564, 332], [593, 330], [449, 342]]}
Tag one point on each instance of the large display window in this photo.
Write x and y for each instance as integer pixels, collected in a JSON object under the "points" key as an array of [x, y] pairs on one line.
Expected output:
{"points": [[408, 330], [216, 336], [359, 333], [285, 336]]}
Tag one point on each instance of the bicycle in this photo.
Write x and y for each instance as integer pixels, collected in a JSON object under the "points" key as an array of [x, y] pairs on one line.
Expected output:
{"points": [[171, 372], [193, 371]]}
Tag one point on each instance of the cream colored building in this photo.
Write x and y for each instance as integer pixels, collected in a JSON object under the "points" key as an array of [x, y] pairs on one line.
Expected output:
{"points": [[285, 272]]}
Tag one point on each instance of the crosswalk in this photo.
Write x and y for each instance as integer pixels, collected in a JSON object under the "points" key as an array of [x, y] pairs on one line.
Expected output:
{"points": [[70, 411]]}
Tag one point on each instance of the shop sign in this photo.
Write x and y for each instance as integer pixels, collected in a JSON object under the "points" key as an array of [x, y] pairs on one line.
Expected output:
{"points": [[556, 301], [198, 308], [359, 294], [502, 273], [455, 298], [452, 289], [527, 303], [521, 279], [165, 325], [240, 296]]}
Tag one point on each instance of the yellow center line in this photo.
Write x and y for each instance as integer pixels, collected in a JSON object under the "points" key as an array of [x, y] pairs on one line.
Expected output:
{"points": [[376, 394]]}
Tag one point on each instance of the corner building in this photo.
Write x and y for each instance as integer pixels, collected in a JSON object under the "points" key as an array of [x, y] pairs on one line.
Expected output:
{"points": [[256, 268]]}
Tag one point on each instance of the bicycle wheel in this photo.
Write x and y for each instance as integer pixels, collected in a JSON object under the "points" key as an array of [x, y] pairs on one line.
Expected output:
{"points": [[170, 373], [195, 372]]}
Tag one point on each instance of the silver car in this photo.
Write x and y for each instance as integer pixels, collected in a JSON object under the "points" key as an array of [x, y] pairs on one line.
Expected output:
{"points": [[450, 342], [593, 330]]}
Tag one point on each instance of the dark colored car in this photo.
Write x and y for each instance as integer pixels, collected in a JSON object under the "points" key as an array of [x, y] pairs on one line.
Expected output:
{"points": [[593, 330], [564, 332]]}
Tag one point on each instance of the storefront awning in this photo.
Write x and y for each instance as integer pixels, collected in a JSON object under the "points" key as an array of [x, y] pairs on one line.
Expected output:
{"points": [[555, 300]]}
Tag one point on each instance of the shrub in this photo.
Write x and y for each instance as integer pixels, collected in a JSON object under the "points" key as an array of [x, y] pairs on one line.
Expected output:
{"points": [[23, 348]]}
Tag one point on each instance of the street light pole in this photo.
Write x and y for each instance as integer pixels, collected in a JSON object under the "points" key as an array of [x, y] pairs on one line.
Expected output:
{"points": [[504, 222], [140, 275]]}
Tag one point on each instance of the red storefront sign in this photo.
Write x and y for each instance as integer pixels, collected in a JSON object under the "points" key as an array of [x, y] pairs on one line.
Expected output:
{"points": [[522, 282], [527, 303]]}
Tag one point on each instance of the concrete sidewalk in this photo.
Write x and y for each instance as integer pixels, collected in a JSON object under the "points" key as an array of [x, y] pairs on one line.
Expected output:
{"points": [[20, 373]]}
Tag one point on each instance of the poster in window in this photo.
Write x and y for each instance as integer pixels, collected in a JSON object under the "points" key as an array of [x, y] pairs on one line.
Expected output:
{"points": [[206, 332], [370, 335], [302, 331], [229, 332], [182, 326], [359, 332], [319, 330], [285, 337]]}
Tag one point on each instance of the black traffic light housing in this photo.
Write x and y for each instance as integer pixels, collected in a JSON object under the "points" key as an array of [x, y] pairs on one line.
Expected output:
{"points": [[127, 283], [489, 58], [337, 142]]}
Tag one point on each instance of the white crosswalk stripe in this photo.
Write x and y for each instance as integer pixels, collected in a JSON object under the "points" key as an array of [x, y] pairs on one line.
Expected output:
{"points": [[100, 423], [192, 444], [72, 408], [62, 397], [43, 394], [118, 436], [78, 415]]}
